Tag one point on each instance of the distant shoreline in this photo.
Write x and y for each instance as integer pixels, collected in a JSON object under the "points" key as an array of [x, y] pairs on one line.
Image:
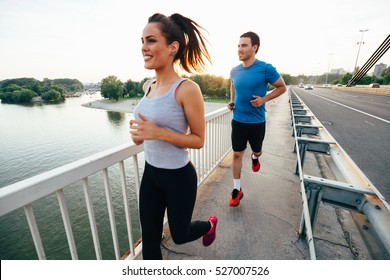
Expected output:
{"points": [[128, 105], [122, 106]]}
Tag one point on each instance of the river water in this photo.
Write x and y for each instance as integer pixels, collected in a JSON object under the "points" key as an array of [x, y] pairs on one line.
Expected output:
{"points": [[38, 138]]}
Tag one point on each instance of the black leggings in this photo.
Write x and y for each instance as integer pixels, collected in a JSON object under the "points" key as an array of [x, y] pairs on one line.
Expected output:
{"points": [[174, 190]]}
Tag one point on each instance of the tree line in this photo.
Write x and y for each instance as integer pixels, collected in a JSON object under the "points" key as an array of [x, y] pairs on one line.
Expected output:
{"points": [[23, 90], [333, 78], [213, 86]]}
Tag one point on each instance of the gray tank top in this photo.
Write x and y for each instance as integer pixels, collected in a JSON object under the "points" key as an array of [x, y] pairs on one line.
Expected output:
{"points": [[164, 112]]}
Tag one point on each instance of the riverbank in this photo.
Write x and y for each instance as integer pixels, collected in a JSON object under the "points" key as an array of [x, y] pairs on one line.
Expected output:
{"points": [[128, 105], [122, 106]]}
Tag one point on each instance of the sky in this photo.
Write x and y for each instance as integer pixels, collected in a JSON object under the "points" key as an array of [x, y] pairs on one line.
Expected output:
{"points": [[89, 40]]}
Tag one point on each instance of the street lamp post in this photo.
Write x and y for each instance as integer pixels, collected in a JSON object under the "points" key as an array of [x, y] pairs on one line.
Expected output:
{"points": [[327, 73], [360, 44]]}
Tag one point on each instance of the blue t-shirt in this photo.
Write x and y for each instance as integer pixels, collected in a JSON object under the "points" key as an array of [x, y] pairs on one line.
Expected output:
{"points": [[249, 81]]}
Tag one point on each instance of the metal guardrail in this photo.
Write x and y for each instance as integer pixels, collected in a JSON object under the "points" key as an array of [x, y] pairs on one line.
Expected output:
{"points": [[351, 190], [25, 193]]}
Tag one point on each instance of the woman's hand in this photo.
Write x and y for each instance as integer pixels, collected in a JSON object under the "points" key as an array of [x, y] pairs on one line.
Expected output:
{"points": [[143, 129], [133, 132]]}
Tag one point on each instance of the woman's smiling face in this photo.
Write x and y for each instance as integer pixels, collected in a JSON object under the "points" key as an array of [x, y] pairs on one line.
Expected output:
{"points": [[155, 50]]}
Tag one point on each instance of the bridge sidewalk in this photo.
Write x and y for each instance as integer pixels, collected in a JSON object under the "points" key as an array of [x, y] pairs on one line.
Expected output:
{"points": [[266, 223]]}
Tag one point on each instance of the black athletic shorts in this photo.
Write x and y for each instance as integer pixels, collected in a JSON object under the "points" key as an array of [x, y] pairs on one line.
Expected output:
{"points": [[242, 133]]}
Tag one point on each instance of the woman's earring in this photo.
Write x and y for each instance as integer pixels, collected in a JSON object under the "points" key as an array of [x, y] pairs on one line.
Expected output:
{"points": [[173, 53]]}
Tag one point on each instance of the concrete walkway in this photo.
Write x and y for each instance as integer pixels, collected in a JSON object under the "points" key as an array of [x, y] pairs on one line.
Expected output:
{"points": [[266, 223]]}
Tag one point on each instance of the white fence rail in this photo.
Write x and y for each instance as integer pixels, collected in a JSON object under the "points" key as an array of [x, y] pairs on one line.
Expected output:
{"points": [[25, 193]]}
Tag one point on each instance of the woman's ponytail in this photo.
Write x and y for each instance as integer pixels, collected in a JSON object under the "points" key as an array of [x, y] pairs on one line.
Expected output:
{"points": [[192, 52]]}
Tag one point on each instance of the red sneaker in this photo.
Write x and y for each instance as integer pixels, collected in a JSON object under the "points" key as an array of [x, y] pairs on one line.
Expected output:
{"points": [[236, 197], [209, 237], [255, 164]]}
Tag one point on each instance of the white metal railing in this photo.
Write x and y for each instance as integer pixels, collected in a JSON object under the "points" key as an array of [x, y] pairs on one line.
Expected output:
{"points": [[25, 193]]}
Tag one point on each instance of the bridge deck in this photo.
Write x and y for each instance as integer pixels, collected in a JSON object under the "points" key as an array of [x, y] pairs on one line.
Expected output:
{"points": [[266, 223]]}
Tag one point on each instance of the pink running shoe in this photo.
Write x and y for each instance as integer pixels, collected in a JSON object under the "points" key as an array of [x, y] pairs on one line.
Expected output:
{"points": [[209, 237]]}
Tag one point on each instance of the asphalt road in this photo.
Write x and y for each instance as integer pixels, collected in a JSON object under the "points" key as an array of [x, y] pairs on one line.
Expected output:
{"points": [[360, 123]]}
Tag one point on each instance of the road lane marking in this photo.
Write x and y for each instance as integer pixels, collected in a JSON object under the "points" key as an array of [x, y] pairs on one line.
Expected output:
{"points": [[369, 123], [375, 117]]}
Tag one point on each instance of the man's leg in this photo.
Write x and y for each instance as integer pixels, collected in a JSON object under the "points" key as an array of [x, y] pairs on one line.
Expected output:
{"points": [[256, 142], [239, 142], [237, 193], [257, 154], [237, 164]]}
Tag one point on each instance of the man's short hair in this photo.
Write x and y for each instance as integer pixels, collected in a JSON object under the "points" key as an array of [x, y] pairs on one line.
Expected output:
{"points": [[255, 39]]}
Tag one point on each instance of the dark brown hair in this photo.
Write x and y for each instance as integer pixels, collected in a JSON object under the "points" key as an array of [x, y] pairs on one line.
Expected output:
{"points": [[192, 44], [255, 39]]}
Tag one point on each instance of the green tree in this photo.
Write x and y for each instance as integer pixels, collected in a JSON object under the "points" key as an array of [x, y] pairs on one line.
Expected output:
{"points": [[344, 79], [70, 85], [199, 79], [26, 95], [212, 92], [22, 82], [365, 80], [52, 95], [11, 88], [132, 89], [18, 96], [111, 87], [386, 76], [288, 79], [6, 97], [212, 85]]}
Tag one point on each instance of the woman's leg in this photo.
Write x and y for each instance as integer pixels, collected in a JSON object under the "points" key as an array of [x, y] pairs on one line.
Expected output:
{"points": [[152, 208], [181, 195]]}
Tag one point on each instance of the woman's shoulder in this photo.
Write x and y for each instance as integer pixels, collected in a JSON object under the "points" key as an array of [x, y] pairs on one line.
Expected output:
{"points": [[147, 83], [188, 87], [188, 84]]}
